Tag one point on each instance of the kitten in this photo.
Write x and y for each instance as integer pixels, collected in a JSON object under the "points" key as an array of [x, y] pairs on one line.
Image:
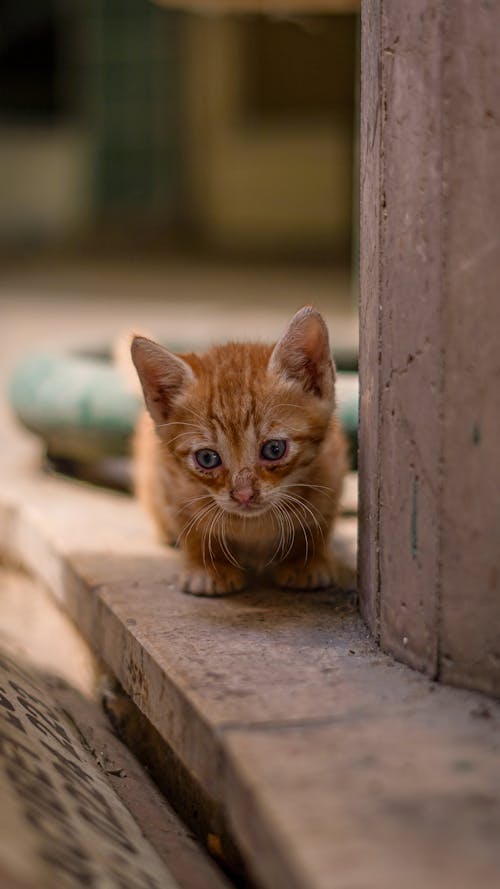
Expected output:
{"points": [[240, 459]]}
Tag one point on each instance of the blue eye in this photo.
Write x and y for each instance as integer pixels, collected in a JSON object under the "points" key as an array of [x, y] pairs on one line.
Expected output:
{"points": [[207, 459], [273, 449]]}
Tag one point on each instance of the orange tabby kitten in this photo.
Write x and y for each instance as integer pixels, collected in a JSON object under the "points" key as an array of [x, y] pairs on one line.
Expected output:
{"points": [[241, 459]]}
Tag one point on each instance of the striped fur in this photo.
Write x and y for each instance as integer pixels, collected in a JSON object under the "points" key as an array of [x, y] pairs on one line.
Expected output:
{"points": [[233, 399]]}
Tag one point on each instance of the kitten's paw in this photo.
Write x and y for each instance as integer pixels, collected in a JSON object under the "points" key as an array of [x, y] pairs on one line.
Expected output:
{"points": [[317, 574], [221, 582]]}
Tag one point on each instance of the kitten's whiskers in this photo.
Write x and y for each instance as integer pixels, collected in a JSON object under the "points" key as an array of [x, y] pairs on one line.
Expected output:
{"points": [[176, 423], [286, 532], [305, 506], [298, 510], [212, 526], [200, 417], [279, 522], [180, 435], [224, 545], [194, 521], [195, 499], [288, 537], [308, 485]]}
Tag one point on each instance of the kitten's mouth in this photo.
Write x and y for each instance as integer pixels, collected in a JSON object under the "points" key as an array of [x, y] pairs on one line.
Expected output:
{"points": [[247, 510]]}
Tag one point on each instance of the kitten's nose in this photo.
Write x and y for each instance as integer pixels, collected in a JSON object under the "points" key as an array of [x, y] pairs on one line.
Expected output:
{"points": [[244, 487], [243, 495]]}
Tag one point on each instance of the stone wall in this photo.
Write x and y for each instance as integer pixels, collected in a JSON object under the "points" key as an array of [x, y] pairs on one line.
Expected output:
{"points": [[429, 356]]}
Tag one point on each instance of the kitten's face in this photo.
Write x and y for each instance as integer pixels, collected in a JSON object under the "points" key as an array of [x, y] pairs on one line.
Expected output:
{"points": [[244, 420], [244, 443]]}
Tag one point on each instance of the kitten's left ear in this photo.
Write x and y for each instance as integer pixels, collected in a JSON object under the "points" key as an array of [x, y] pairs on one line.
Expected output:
{"points": [[303, 355], [163, 376]]}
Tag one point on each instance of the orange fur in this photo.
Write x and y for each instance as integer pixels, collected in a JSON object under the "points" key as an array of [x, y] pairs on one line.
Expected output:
{"points": [[248, 513]]}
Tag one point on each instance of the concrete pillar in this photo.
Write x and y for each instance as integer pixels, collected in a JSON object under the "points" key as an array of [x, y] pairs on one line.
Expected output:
{"points": [[430, 338]]}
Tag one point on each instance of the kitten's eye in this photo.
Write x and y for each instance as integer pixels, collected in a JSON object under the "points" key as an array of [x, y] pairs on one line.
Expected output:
{"points": [[273, 449], [207, 459]]}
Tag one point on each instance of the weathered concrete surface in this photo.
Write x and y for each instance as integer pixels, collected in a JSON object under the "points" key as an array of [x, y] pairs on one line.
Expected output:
{"points": [[429, 425], [370, 318], [470, 575], [333, 766], [404, 807], [41, 638], [187, 862], [34, 630], [410, 361], [61, 823]]}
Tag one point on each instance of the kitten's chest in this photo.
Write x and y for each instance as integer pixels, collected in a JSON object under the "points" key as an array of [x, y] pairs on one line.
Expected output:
{"points": [[254, 542]]}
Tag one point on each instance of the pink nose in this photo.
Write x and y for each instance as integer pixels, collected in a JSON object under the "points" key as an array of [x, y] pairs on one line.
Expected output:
{"points": [[243, 495]]}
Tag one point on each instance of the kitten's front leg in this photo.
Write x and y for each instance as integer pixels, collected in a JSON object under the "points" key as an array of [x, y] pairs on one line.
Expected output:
{"points": [[218, 581], [214, 576], [315, 574]]}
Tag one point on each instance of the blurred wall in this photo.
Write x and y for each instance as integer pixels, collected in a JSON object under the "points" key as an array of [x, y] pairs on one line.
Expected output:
{"points": [[89, 132], [118, 115], [270, 108], [45, 149], [131, 75]]}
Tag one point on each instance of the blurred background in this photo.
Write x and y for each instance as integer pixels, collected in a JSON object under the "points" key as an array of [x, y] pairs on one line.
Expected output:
{"points": [[186, 174]]}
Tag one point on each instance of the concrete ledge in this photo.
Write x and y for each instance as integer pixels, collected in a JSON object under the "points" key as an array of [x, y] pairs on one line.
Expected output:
{"points": [[331, 764]]}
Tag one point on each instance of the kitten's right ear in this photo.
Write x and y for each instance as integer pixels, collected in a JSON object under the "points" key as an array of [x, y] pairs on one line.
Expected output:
{"points": [[162, 374], [303, 355]]}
